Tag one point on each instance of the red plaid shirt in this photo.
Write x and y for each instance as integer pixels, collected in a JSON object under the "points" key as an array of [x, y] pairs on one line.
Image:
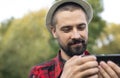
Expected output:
{"points": [[51, 69]]}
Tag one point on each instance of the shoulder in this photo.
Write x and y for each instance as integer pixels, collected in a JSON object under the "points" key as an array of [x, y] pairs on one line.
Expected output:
{"points": [[41, 68], [45, 65]]}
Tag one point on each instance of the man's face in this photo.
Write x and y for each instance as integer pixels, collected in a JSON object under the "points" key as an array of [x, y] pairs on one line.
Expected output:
{"points": [[71, 32]]}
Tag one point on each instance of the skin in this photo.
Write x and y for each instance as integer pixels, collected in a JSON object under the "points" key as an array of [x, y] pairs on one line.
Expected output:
{"points": [[109, 70], [76, 66]]}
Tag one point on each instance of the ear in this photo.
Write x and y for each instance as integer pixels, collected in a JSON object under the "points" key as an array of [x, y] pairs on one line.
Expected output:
{"points": [[53, 30]]}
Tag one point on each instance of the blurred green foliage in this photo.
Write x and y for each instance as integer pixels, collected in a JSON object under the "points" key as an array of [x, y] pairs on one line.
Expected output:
{"points": [[109, 39], [25, 42], [97, 24]]}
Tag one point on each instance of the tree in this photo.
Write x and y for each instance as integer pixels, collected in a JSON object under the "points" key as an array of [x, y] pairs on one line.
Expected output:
{"points": [[97, 25], [110, 39], [4, 26], [24, 44]]}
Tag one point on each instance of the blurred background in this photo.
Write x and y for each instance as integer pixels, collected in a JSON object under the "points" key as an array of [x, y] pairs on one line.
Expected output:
{"points": [[25, 41]]}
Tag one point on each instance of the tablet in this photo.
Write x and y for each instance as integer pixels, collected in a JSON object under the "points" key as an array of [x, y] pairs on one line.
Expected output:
{"points": [[109, 57]]}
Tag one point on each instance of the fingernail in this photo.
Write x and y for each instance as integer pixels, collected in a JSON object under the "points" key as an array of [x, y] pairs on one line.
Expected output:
{"points": [[95, 57], [80, 56]]}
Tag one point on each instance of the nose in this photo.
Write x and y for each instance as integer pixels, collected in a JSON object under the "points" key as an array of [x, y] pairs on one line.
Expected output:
{"points": [[75, 34]]}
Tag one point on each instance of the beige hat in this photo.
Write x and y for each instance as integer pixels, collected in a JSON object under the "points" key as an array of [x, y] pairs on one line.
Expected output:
{"points": [[85, 5]]}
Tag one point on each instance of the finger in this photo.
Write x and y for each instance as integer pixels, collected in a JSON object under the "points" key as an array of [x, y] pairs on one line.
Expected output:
{"points": [[88, 65], [103, 74], [93, 76], [72, 60], [33, 76], [88, 72], [100, 75], [109, 70], [85, 59], [78, 60], [115, 67]]}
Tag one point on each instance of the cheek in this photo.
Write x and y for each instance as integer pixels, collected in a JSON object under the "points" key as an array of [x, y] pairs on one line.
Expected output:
{"points": [[63, 38], [86, 36]]}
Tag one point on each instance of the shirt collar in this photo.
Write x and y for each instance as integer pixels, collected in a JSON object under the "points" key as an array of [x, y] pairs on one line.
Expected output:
{"points": [[59, 65]]}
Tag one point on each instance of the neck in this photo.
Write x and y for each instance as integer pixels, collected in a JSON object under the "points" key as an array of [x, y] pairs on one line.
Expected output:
{"points": [[64, 55]]}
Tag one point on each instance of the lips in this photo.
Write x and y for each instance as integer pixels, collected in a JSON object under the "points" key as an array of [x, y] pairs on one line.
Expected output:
{"points": [[76, 42]]}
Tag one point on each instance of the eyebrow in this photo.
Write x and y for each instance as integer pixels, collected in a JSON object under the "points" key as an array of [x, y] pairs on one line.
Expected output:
{"points": [[64, 26], [81, 24]]}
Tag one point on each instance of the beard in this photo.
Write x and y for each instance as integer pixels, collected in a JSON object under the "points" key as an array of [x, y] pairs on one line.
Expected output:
{"points": [[72, 50]]}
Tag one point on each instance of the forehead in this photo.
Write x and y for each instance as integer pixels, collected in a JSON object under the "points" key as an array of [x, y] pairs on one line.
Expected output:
{"points": [[70, 18]]}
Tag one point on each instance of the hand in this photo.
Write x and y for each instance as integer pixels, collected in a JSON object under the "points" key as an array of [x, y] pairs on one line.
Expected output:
{"points": [[81, 67], [109, 70]]}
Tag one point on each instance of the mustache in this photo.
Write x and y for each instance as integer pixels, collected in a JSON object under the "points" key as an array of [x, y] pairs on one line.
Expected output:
{"points": [[75, 41]]}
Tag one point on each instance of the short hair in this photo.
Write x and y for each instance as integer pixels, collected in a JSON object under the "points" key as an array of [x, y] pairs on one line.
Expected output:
{"points": [[66, 7]]}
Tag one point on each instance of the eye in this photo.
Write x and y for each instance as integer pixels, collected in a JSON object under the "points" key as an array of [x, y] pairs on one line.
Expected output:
{"points": [[81, 27], [66, 29]]}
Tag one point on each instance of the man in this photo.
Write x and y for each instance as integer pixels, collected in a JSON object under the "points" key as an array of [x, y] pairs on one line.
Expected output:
{"points": [[68, 20]]}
